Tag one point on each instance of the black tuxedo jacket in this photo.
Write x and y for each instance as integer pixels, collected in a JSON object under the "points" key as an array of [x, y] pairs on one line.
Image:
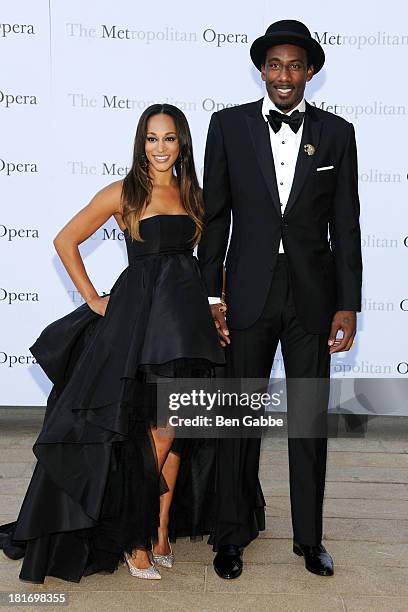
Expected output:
{"points": [[319, 228]]}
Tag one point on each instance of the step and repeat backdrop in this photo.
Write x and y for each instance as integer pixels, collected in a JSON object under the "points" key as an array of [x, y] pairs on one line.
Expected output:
{"points": [[74, 79]]}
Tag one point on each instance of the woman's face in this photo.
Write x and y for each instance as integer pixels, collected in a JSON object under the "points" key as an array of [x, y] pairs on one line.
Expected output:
{"points": [[162, 145]]}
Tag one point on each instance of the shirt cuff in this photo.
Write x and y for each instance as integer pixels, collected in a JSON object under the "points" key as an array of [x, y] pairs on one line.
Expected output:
{"points": [[214, 300]]}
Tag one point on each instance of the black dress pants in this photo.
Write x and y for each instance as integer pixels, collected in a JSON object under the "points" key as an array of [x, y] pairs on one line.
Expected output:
{"points": [[240, 512]]}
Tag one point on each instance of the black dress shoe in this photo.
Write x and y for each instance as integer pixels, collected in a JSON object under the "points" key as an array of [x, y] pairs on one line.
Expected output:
{"points": [[228, 562], [317, 559]]}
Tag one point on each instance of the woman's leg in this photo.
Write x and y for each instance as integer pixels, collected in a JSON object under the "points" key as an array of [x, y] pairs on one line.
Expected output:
{"points": [[163, 440], [170, 470], [168, 464]]}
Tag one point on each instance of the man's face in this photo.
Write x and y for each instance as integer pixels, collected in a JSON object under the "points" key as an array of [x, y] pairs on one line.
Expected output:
{"points": [[285, 73]]}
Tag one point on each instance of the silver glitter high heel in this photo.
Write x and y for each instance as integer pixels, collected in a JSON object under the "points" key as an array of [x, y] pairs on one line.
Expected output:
{"points": [[165, 560], [148, 573]]}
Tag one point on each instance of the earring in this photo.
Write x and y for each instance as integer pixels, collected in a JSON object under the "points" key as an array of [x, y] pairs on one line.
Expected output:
{"points": [[144, 162]]}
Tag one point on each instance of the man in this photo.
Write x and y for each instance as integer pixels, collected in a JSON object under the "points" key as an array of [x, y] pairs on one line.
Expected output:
{"points": [[288, 173]]}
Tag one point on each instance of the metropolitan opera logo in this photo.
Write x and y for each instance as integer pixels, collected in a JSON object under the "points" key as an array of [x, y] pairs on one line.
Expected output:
{"points": [[81, 168], [11, 167], [356, 111], [115, 102], [10, 361], [80, 100], [373, 175], [361, 40], [11, 29], [221, 38], [361, 369], [10, 234], [371, 241], [14, 297], [121, 33], [371, 305], [168, 34], [8, 99], [108, 233]]}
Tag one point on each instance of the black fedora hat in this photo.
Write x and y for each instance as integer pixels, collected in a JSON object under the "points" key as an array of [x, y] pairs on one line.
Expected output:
{"points": [[291, 32]]}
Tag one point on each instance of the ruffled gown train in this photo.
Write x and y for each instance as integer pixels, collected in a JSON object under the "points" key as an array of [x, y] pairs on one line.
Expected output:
{"points": [[95, 490]]}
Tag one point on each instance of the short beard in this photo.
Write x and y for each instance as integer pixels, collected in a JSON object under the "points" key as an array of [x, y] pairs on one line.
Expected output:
{"points": [[283, 107]]}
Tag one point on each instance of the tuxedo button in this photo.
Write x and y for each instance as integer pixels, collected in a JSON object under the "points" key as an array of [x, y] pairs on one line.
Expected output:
{"points": [[285, 225]]}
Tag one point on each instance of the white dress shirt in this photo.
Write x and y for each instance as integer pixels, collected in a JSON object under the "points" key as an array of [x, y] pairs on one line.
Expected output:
{"points": [[285, 148]]}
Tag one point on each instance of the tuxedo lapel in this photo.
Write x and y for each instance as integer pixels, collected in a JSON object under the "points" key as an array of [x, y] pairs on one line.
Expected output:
{"points": [[259, 131], [304, 163]]}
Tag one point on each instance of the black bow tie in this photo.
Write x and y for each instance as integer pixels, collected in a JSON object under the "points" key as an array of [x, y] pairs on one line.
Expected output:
{"points": [[276, 119]]}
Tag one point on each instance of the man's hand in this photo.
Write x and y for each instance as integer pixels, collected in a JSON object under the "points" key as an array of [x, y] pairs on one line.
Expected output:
{"points": [[220, 324], [344, 320]]}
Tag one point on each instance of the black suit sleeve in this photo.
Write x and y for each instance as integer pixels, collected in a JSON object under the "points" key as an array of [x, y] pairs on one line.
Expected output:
{"points": [[345, 235], [217, 205]]}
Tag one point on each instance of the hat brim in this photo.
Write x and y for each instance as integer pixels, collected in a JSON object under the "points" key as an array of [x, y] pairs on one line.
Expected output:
{"points": [[259, 47]]}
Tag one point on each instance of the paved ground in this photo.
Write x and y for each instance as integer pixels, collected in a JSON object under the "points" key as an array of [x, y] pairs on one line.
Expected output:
{"points": [[366, 530]]}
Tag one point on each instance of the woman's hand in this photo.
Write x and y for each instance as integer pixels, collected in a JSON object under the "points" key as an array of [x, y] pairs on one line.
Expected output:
{"points": [[99, 304]]}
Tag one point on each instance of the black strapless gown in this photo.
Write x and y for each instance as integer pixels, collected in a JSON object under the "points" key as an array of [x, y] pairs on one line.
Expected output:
{"points": [[95, 491]]}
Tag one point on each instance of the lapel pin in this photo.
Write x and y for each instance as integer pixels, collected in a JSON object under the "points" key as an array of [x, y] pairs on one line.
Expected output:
{"points": [[309, 149]]}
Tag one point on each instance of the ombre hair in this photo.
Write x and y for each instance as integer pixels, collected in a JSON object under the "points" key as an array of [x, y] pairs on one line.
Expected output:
{"points": [[137, 185]]}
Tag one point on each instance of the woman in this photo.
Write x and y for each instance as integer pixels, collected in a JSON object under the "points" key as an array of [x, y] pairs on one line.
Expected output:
{"points": [[105, 477]]}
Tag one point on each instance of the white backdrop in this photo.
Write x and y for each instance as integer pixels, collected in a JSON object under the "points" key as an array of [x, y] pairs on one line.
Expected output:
{"points": [[74, 79]]}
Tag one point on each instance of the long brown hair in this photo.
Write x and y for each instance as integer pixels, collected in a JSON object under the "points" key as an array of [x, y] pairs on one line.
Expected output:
{"points": [[137, 185]]}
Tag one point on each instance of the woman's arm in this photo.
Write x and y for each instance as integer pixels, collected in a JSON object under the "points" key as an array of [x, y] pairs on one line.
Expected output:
{"points": [[102, 206]]}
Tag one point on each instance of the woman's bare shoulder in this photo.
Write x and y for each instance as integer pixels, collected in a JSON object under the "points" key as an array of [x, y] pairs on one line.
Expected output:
{"points": [[112, 194]]}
